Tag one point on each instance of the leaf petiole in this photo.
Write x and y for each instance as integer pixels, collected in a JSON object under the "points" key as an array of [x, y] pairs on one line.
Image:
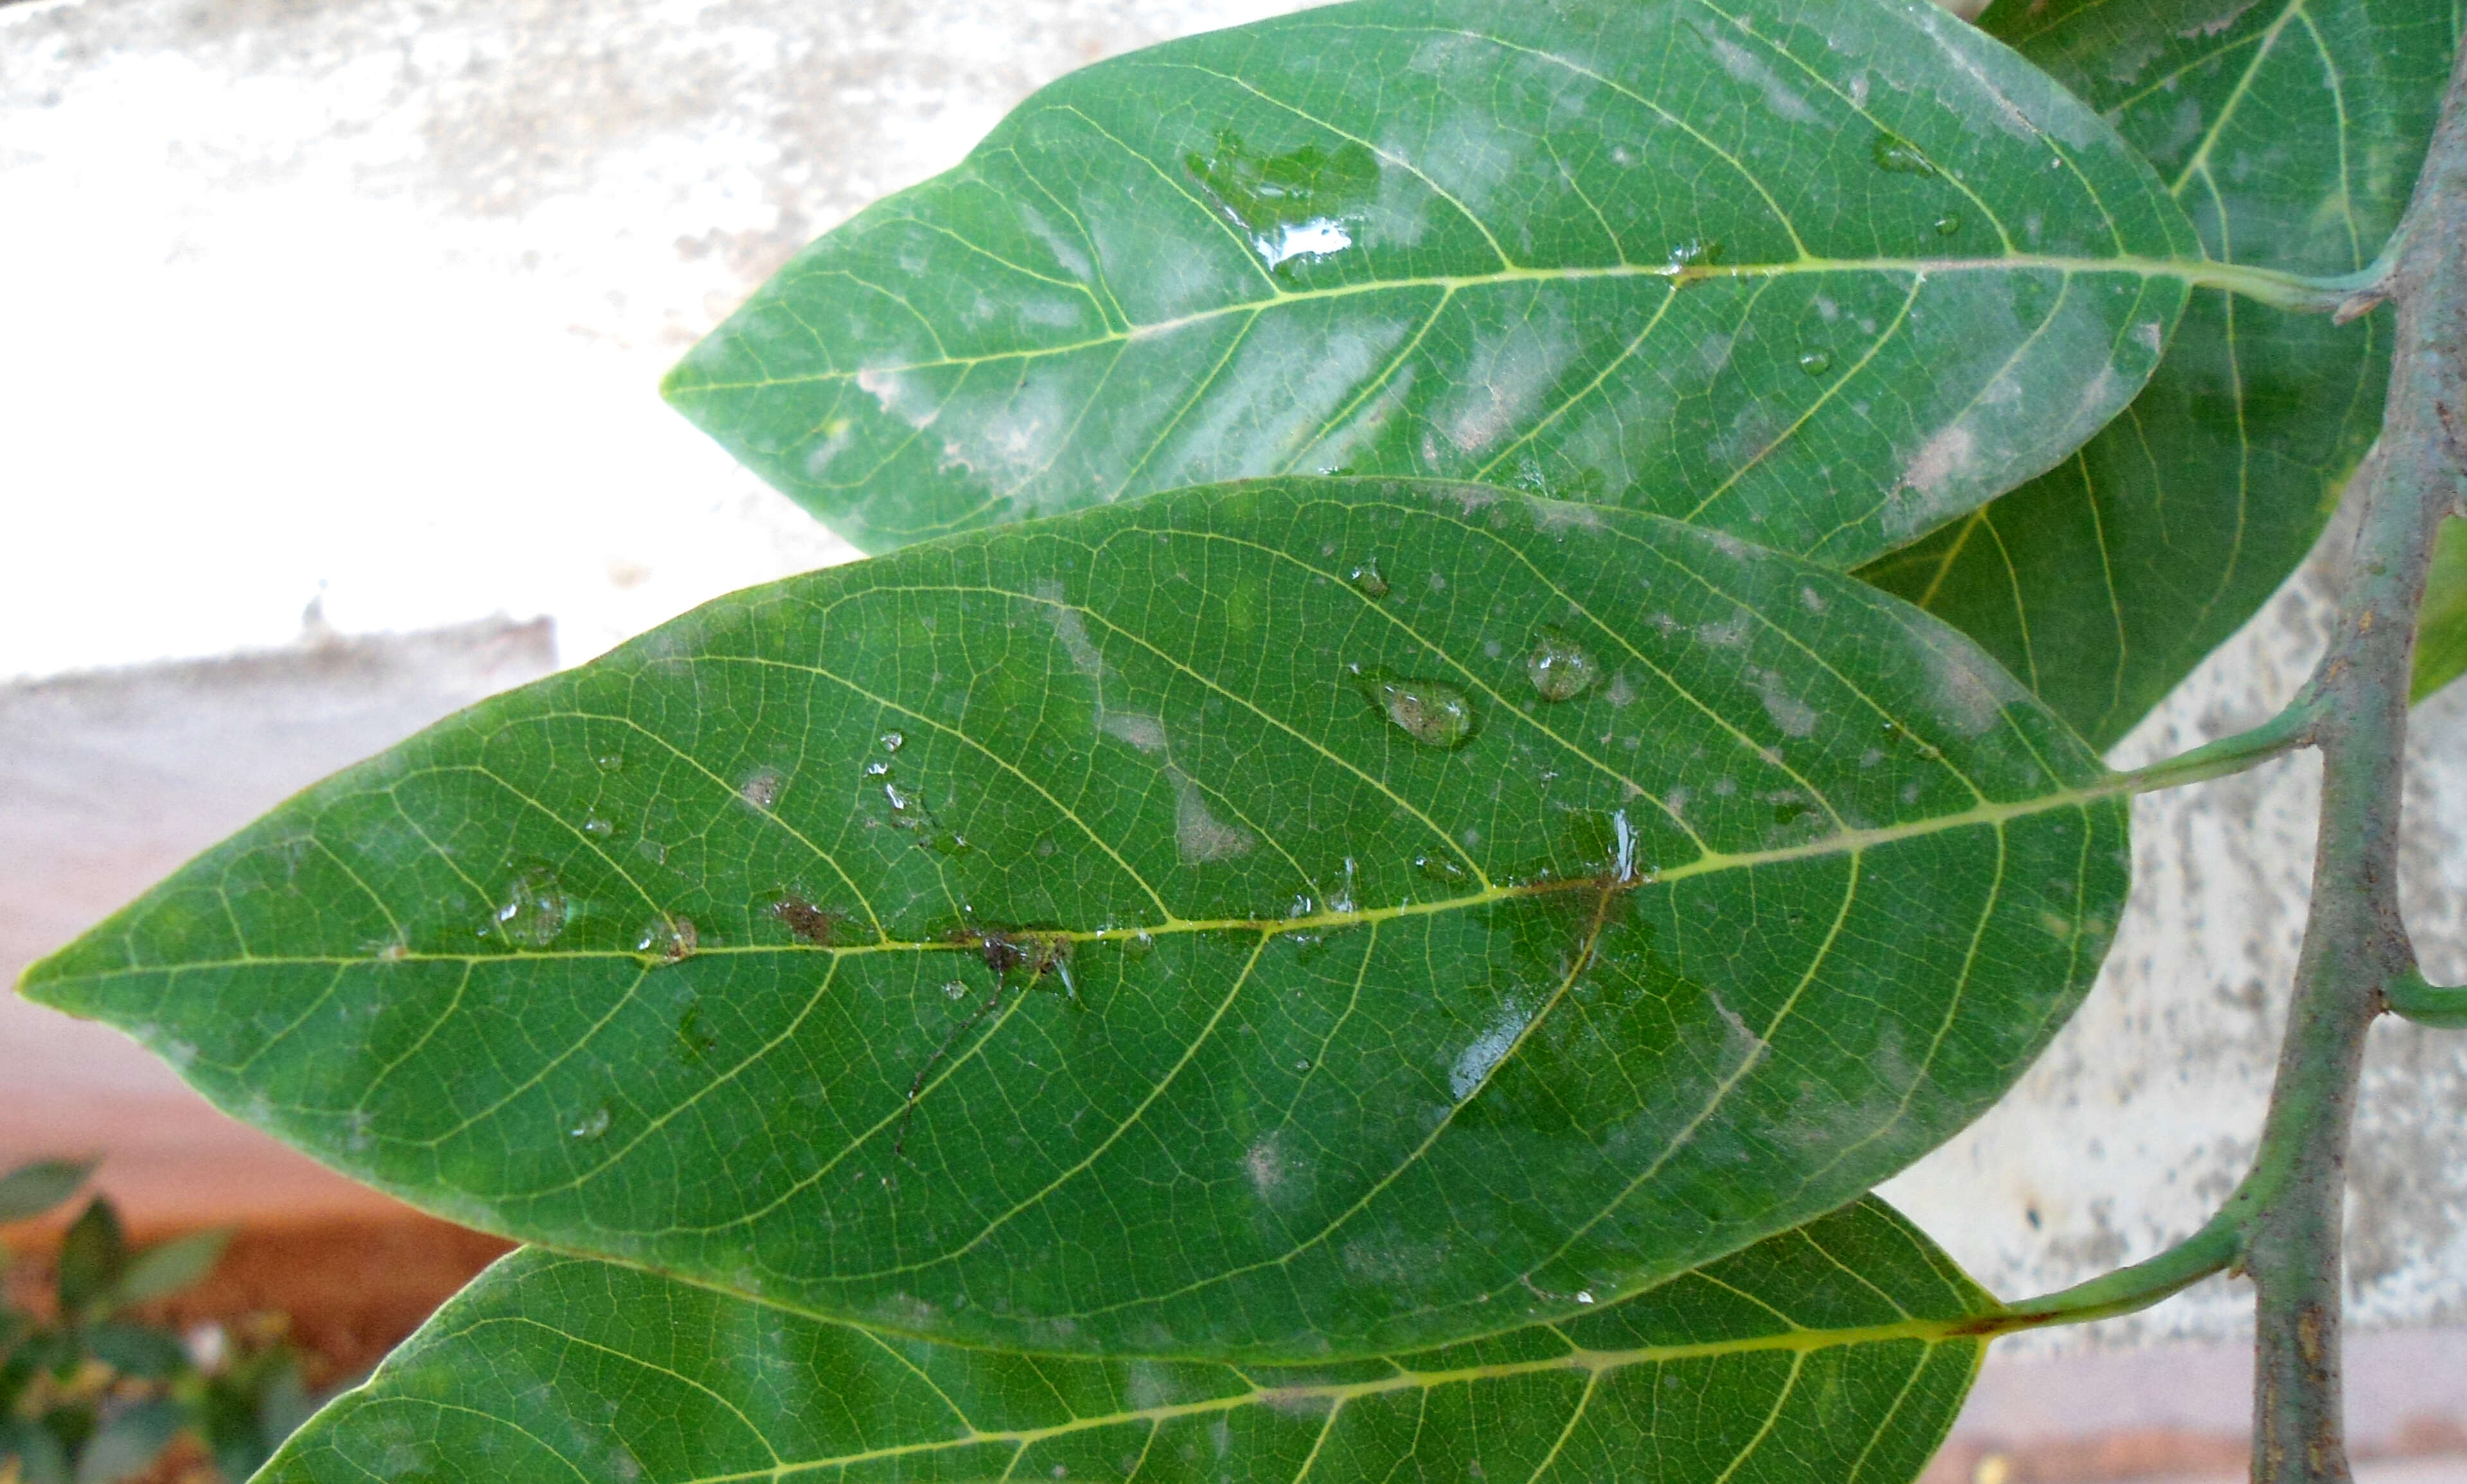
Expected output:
{"points": [[2410, 996], [2283, 733]]}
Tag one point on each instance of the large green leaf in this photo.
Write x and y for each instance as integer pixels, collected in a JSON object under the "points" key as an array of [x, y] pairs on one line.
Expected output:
{"points": [[1821, 275], [1440, 906], [1833, 1354], [2291, 130]]}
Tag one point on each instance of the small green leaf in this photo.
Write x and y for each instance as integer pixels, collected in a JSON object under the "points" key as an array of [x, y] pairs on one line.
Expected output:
{"points": [[1831, 1352], [30, 1189], [1084, 956], [38, 1455], [93, 1256], [135, 1349], [128, 1441], [172, 1266], [2290, 132], [2441, 634], [1820, 276]]}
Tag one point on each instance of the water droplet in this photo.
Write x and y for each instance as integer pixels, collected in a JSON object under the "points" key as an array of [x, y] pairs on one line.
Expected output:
{"points": [[908, 812], [1899, 156], [1947, 224], [1584, 1296], [761, 787], [1366, 580], [1139, 945], [877, 768], [955, 990], [535, 910], [1816, 363], [610, 762], [596, 825], [1438, 868], [590, 1125], [1432, 713], [1696, 253], [1558, 666], [667, 939], [1303, 1066], [892, 741]]}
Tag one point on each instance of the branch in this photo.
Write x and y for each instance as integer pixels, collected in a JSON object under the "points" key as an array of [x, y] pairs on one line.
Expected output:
{"points": [[2356, 960]]}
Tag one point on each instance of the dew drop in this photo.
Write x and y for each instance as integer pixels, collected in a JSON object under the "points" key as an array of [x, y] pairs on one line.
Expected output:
{"points": [[667, 939], [955, 990], [535, 910], [892, 741], [610, 762], [590, 1125], [1816, 363], [1558, 666], [1438, 868], [596, 825], [1696, 252], [1899, 156], [1303, 1066], [877, 768], [1139, 945], [1367, 579], [1431, 713], [1947, 224]]}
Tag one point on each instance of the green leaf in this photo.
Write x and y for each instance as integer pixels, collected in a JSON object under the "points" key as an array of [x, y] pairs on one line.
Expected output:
{"points": [[2441, 635], [37, 1454], [135, 1349], [1276, 969], [30, 1189], [93, 1255], [172, 1266], [1820, 276], [2290, 132], [1834, 1352]]}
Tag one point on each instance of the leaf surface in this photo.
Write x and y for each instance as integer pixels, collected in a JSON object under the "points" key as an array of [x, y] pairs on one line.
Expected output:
{"points": [[2290, 131], [1820, 276], [2441, 637], [1295, 918], [1830, 1354]]}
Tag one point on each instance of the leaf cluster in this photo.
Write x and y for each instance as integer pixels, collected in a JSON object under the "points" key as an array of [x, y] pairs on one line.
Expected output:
{"points": [[92, 1394], [1480, 708]]}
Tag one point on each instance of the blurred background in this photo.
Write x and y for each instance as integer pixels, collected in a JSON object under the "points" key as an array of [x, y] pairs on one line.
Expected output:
{"points": [[327, 351]]}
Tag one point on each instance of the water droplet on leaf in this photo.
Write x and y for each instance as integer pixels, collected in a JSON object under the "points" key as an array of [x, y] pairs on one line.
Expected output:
{"points": [[590, 1125], [1899, 156], [1438, 868], [1366, 580], [610, 762], [1696, 253], [1816, 363], [667, 939], [1558, 666], [535, 910], [892, 741], [596, 825], [1947, 224], [1432, 713]]}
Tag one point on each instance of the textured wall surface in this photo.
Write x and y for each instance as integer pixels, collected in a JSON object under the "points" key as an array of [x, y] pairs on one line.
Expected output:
{"points": [[362, 302]]}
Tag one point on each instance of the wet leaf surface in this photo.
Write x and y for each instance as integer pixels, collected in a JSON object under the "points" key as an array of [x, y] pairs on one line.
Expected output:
{"points": [[1825, 1354], [1820, 276], [2290, 131], [1083, 951]]}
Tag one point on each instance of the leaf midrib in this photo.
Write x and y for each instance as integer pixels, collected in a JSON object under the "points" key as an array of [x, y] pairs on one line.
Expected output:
{"points": [[1844, 842], [2196, 272], [1593, 1364]]}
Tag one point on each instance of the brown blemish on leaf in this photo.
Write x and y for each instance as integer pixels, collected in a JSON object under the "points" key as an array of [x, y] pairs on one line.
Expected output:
{"points": [[803, 918]]}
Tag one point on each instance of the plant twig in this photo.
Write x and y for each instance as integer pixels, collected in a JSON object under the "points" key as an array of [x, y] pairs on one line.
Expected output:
{"points": [[2356, 952]]}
